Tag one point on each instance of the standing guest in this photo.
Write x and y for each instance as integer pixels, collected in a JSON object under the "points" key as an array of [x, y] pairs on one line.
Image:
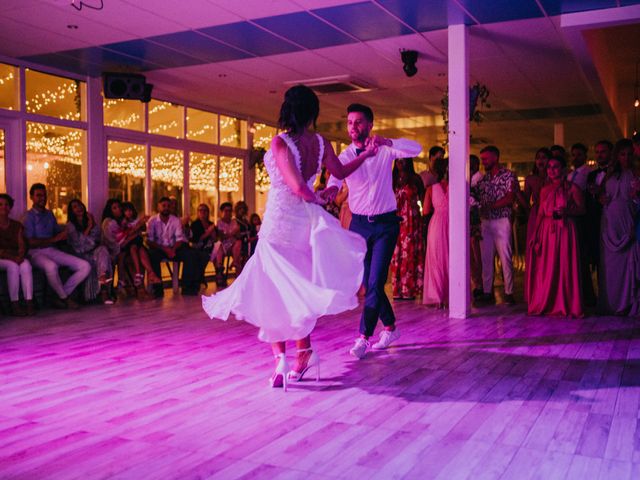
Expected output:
{"points": [[132, 245], [202, 233], [242, 220], [166, 239], [13, 251], [436, 268], [581, 170], [558, 151], [83, 236], [619, 274], [497, 193], [579, 176], [43, 233], [228, 244], [595, 184], [429, 177], [375, 218], [306, 265], [533, 184], [408, 256], [476, 233], [553, 274], [254, 230]]}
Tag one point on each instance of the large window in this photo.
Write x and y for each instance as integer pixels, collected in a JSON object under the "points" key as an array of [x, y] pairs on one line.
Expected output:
{"points": [[3, 183], [203, 178], [166, 119], [55, 96], [55, 157], [233, 132], [202, 126], [167, 179], [9, 87], [262, 136], [127, 114], [230, 179], [127, 166]]}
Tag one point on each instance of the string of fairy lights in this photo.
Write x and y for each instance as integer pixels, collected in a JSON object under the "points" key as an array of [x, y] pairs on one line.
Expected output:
{"points": [[62, 98]]}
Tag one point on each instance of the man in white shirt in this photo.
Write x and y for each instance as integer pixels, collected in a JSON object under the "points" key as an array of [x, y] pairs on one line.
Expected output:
{"points": [[374, 208], [166, 239], [580, 170]]}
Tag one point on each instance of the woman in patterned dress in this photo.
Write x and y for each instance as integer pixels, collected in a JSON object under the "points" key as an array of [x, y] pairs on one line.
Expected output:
{"points": [[408, 256]]}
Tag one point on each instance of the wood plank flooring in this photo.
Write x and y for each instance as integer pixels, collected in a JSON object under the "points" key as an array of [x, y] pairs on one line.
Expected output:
{"points": [[156, 390]]}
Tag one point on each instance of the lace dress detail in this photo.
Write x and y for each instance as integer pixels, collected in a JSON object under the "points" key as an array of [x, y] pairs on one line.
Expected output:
{"points": [[305, 265]]}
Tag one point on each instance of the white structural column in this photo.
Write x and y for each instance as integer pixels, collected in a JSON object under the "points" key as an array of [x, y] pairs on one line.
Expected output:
{"points": [[459, 266], [558, 134], [95, 174]]}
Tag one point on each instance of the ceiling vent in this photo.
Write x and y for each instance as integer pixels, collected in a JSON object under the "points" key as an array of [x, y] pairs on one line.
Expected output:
{"points": [[338, 84]]}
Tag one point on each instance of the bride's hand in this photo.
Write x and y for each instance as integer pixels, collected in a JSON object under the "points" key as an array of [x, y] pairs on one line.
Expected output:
{"points": [[319, 200]]}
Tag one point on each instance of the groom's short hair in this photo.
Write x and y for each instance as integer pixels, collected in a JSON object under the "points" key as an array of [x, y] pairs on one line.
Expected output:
{"points": [[358, 107]]}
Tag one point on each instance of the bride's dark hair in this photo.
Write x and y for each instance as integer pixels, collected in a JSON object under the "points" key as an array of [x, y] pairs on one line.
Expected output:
{"points": [[300, 107]]}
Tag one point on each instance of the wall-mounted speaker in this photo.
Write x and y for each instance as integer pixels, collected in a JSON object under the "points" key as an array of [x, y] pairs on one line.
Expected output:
{"points": [[130, 86]]}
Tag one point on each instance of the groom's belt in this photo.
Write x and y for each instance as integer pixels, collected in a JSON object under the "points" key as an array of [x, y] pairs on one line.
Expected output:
{"points": [[382, 218]]}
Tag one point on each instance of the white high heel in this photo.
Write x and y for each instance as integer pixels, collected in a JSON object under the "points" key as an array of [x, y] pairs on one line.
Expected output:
{"points": [[314, 361], [279, 377]]}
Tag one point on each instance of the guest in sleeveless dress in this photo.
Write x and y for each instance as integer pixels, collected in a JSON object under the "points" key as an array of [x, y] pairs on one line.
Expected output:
{"points": [[305, 265], [436, 266], [408, 255], [619, 272], [553, 276], [533, 184]]}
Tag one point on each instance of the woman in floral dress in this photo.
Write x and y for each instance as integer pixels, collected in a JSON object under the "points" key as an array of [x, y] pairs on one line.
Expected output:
{"points": [[408, 257]]}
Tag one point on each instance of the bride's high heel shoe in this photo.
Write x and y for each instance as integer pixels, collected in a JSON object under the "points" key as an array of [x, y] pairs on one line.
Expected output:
{"points": [[313, 361], [279, 377]]}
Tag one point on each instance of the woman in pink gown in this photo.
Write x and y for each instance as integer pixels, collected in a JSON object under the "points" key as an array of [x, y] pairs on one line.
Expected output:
{"points": [[436, 266], [553, 259]]}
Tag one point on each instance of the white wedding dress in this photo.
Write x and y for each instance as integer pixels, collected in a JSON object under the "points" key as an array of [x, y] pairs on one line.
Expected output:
{"points": [[305, 265]]}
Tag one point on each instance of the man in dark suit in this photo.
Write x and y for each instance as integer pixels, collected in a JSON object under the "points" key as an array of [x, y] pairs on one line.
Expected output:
{"points": [[595, 182]]}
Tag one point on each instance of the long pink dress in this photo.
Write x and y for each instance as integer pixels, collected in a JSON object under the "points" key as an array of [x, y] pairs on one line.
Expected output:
{"points": [[553, 273], [436, 265]]}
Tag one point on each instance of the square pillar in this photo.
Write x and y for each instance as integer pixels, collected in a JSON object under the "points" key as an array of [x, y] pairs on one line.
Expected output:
{"points": [[459, 229]]}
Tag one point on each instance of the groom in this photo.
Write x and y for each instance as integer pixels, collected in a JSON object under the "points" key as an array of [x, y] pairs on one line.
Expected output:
{"points": [[373, 204]]}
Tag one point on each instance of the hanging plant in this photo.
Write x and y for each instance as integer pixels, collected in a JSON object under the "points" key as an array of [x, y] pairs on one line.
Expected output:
{"points": [[478, 101]]}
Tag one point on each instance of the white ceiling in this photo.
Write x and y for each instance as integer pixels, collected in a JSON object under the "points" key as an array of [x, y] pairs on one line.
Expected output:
{"points": [[526, 64]]}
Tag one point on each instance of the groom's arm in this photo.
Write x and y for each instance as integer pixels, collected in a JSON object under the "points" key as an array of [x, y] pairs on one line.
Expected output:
{"points": [[399, 147]]}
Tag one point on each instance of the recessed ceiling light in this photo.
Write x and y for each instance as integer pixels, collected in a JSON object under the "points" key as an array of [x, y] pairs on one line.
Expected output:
{"points": [[72, 27]]}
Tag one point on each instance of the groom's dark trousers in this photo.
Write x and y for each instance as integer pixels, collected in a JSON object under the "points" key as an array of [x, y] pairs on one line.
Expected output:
{"points": [[381, 234]]}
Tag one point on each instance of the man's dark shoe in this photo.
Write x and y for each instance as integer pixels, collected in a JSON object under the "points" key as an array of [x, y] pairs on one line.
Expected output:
{"points": [[477, 293], [72, 304], [58, 303], [486, 299], [509, 300]]}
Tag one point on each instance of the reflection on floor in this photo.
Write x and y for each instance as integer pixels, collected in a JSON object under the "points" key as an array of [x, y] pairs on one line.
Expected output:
{"points": [[156, 390]]}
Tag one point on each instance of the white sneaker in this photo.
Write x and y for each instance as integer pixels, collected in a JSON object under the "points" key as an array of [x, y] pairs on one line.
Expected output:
{"points": [[360, 348], [387, 337]]}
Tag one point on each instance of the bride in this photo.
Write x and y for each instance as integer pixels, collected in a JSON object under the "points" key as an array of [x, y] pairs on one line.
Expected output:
{"points": [[305, 265]]}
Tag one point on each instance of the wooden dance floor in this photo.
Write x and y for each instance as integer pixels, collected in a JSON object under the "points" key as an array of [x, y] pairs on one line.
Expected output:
{"points": [[157, 391]]}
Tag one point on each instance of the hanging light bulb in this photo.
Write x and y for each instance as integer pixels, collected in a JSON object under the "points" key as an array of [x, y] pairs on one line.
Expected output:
{"points": [[636, 103]]}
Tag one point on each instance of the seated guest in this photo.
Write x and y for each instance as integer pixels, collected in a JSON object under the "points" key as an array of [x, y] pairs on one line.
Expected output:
{"points": [[43, 232], [202, 233], [166, 239], [254, 231], [13, 250], [132, 244], [242, 220], [553, 273], [228, 245], [83, 236]]}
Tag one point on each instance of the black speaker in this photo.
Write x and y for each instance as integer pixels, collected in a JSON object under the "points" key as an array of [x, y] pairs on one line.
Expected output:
{"points": [[131, 86]]}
